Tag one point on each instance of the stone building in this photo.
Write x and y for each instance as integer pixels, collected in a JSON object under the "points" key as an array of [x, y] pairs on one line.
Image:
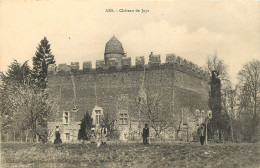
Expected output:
{"points": [[115, 85]]}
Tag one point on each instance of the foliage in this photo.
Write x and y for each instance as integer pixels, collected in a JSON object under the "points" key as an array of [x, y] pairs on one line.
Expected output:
{"points": [[249, 99], [219, 84], [16, 77], [85, 128], [214, 63], [24, 107], [239, 116], [27, 108], [17, 74], [43, 57], [109, 120]]}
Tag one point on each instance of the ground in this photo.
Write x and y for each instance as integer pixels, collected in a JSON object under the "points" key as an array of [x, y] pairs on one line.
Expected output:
{"points": [[130, 155]]}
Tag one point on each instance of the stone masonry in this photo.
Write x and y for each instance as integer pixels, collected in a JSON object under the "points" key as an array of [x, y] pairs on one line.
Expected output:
{"points": [[115, 84]]}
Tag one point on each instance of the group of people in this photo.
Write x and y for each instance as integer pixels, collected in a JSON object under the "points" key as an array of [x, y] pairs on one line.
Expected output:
{"points": [[99, 137], [200, 132]]}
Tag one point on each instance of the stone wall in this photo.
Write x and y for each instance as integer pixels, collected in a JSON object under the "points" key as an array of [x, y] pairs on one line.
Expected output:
{"points": [[182, 84]]}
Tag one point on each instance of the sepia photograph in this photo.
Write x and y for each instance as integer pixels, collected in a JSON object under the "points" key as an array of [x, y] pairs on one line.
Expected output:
{"points": [[136, 84]]}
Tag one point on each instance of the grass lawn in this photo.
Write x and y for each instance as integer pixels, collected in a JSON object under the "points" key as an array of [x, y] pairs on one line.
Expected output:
{"points": [[130, 155]]}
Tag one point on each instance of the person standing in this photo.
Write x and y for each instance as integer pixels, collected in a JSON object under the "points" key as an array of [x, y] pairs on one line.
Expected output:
{"points": [[103, 135], [93, 136], [98, 137], [201, 133], [57, 140], [145, 134]]}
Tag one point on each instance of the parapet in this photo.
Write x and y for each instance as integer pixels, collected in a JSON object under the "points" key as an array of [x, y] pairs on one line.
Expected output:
{"points": [[112, 63], [74, 65], [170, 58], [126, 61], [87, 65], [100, 64], [63, 67], [172, 62], [154, 59], [139, 61]]}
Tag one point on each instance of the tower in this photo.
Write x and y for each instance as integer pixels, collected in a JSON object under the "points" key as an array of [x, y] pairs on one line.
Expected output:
{"points": [[114, 53]]}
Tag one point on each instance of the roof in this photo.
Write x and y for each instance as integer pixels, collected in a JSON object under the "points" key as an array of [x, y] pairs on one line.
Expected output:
{"points": [[114, 46]]}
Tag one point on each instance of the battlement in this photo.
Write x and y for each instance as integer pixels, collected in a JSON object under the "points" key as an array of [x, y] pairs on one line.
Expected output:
{"points": [[171, 62]]}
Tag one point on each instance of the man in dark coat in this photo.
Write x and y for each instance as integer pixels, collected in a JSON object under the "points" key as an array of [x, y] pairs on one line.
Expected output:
{"points": [[201, 133], [145, 134]]}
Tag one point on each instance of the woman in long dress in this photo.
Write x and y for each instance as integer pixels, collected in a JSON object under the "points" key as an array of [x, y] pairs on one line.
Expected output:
{"points": [[104, 135], [98, 138]]}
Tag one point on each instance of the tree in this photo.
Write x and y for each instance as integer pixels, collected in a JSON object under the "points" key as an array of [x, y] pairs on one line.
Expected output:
{"points": [[23, 106], [109, 121], [17, 74], [156, 112], [229, 105], [43, 57], [249, 86], [85, 128], [27, 108], [219, 83], [215, 64]]}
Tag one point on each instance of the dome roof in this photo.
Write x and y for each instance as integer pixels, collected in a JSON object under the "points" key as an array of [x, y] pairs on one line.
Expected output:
{"points": [[114, 46]]}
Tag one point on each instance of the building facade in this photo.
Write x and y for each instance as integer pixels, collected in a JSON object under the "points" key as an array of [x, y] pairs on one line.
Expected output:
{"points": [[115, 86]]}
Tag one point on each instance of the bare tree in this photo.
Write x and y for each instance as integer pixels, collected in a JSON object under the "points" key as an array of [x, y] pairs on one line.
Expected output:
{"points": [[109, 120], [249, 86], [159, 114]]}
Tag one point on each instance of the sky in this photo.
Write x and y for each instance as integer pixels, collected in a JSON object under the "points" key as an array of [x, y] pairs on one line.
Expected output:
{"points": [[79, 30]]}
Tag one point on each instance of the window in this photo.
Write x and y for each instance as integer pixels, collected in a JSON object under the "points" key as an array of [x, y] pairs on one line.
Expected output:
{"points": [[123, 119], [98, 116], [66, 117], [67, 136]]}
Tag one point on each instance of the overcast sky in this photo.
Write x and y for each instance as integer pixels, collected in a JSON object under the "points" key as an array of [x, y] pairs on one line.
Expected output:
{"points": [[79, 30]]}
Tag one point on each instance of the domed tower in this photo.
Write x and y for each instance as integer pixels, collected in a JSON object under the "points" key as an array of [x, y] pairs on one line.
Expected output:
{"points": [[114, 52]]}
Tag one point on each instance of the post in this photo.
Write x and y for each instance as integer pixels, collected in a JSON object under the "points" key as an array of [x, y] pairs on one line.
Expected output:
{"points": [[150, 132], [206, 136], [26, 135], [14, 135], [139, 126]]}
